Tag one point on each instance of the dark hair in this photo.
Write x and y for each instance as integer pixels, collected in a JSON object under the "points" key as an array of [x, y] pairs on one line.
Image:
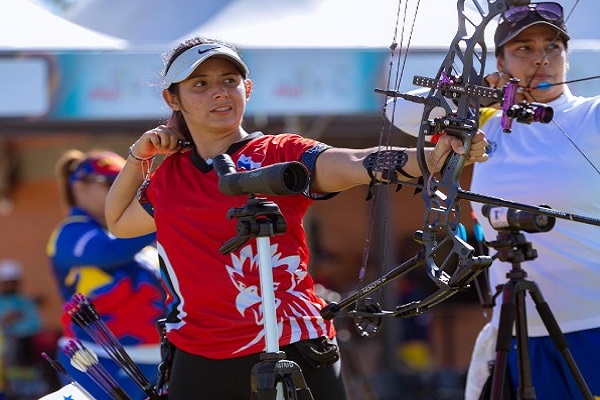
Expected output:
{"points": [[176, 118]]}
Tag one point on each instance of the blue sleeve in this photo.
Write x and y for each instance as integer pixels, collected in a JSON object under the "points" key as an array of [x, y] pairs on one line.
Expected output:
{"points": [[309, 159], [86, 243]]}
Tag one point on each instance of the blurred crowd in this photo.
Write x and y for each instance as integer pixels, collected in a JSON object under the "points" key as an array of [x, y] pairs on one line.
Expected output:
{"points": [[24, 374]]}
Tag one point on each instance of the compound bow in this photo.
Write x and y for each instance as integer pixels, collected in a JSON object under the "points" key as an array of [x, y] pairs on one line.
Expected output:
{"points": [[450, 261]]}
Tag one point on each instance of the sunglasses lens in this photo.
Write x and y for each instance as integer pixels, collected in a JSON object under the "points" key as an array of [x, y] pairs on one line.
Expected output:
{"points": [[548, 11], [516, 14]]}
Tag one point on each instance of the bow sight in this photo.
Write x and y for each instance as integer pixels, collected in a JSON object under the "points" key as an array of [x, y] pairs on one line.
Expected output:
{"points": [[523, 111], [453, 88]]}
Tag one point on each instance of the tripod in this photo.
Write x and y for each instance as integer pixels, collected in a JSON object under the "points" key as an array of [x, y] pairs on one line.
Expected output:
{"points": [[273, 377], [514, 248]]}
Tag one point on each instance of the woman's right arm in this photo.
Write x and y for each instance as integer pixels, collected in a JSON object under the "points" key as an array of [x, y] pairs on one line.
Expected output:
{"points": [[125, 216]]}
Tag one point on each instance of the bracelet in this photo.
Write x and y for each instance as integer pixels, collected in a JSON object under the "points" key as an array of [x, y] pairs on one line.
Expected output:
{"points": [[139, 158]]}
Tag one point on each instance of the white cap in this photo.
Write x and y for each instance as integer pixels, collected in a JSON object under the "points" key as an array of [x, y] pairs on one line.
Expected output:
{"points": [[183, 66], [10, 270]]}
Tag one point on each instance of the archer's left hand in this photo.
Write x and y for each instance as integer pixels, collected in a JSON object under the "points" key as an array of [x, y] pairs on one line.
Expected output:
{"points": [[447, 142]]}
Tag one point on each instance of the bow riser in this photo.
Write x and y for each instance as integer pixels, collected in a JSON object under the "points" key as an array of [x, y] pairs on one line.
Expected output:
{"points": [[459, 78]]}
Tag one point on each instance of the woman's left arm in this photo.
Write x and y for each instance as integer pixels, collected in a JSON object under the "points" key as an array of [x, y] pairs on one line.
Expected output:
{"points": [[338, 169]]}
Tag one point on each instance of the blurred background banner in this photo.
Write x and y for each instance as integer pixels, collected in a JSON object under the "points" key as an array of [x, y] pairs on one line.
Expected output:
{"points": [[93, 66]]}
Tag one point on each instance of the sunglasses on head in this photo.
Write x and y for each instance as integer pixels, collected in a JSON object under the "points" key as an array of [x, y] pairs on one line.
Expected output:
{"points": [[93, 178], [548, 11]]}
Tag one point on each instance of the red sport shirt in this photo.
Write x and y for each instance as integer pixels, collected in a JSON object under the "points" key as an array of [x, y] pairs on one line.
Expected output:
{"points": [[214, 300]]}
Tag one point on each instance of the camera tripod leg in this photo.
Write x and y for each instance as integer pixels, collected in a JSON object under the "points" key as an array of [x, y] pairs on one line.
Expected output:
{"points": [[275, 371], [559, 340], [513, 312], [273, 374]]}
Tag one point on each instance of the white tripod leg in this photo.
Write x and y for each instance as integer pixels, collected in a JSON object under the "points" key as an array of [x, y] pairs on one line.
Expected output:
{"points": [[267, 294]]}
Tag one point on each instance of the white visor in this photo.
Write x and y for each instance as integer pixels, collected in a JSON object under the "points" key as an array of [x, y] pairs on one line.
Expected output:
{"points": [[183, 66]]}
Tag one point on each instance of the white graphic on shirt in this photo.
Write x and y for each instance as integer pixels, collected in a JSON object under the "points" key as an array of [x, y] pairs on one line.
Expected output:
{"points": [[244, 274], [246, 162]]}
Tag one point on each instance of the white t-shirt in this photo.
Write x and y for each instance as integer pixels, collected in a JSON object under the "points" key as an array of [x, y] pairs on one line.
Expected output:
{"points": [[538, 164]]}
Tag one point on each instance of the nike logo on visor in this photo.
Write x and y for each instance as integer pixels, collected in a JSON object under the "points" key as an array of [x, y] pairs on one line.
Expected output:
{"points": [[204, 51]]}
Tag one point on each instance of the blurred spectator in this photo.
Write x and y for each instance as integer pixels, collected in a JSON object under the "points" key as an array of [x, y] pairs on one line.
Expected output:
{"points": [[19, 317], [119, 276], [19, 323]]}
